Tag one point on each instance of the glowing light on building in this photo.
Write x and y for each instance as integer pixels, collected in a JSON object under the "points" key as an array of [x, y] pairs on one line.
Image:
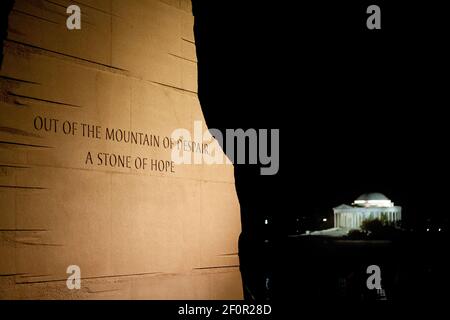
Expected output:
{"points": [[365, 207]]}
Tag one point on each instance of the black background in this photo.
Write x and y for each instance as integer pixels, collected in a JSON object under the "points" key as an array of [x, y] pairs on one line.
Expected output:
{"points": [[358, 110]]}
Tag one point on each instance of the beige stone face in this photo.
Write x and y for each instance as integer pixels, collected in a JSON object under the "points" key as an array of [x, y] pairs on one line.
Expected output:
{"points": [[161, 231]]}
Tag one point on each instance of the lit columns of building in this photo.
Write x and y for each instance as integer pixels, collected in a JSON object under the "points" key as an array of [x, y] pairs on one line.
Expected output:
{"points": [[367, 206]]}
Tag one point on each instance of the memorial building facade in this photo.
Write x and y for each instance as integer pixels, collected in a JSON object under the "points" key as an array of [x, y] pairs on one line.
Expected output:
{"points": [[365, 207]]}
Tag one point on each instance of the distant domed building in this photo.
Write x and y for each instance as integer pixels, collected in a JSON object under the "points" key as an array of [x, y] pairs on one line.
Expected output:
{"points": [[367, 206]]}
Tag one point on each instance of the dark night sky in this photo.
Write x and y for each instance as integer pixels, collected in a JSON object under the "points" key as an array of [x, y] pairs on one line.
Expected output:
{"points": [[359, 111]]}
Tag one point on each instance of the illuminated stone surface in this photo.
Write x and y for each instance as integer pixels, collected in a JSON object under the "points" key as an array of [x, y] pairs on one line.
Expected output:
{"points": [[70, 196]]}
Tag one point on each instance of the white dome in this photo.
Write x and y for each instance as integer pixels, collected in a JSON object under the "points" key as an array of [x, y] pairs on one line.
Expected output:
{"points": [[372, 196], [374, 199]]}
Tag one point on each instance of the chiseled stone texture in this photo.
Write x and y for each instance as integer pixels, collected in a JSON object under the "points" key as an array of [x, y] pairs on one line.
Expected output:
{"points": [[135, 234]]}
